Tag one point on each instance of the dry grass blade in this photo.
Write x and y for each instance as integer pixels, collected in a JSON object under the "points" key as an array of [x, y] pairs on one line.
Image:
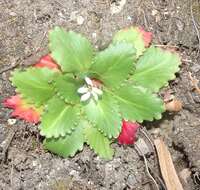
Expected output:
{"points": [[167, 167]]}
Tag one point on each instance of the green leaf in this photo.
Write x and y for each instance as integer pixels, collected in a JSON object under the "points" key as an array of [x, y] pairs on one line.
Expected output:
{"points": [[104, 114], [155, 68], [131, 35], [114, 64], [34, 84], [66, 87], [98, 142], [70, 50], [138, 104], [69, 144], [59, 119]]}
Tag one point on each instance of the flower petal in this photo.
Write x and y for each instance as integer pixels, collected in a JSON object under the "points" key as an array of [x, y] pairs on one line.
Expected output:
{"points": [[82, 90], [95, 95], [128, 132], [85, 97], [97, 91], [88, 81]]}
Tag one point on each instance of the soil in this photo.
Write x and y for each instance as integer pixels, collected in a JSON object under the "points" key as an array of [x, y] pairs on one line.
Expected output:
{"points": [[24, 26]]}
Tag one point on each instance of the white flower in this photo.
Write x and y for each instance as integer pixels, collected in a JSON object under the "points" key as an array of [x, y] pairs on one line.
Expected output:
{"points": [[89, 90]]}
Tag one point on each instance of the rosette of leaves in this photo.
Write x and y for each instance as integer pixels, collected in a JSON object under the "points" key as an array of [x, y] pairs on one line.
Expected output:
{"points": [[125, 76]]}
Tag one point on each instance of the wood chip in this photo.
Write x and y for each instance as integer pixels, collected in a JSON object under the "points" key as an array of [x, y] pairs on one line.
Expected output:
{"points": [[174, 106], [167, 167], [194, 82]]}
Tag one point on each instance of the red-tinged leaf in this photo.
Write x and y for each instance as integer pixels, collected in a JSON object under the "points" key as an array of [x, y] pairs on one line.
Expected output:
{"points": [[47, 61], [147, 36], [12, 102], [128, 132], [28, 114], [137, 36], [22, 110]]}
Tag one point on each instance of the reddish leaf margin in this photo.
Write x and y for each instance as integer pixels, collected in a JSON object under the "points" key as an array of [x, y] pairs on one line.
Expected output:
{"points": [[21, 109]]}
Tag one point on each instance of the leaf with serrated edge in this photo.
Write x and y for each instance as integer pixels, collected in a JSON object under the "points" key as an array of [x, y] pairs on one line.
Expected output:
{"points": [[138, 104], [23, 110], [131, 35], [34, 84], [59, 119], [70, 50], [104, 114], [98, 142], [114, 64], [66, 87], [69, 144], [155, 68]]}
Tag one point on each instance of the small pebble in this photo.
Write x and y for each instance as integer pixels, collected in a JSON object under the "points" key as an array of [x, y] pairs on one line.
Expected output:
{"points": [[195, 68], [131, 181], [11, 121], [117, 7], [129, 18], [143, 147], [73, 15], [156, 131], [154, 12], [185, 174], [73, 173], [180, 25], [34, 163], [80, 20], [13, 14], [94, 35], [60, 14]]}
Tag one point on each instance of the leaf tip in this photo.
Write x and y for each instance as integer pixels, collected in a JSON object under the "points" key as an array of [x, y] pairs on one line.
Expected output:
{"points": [[147, 36], [128, 132], [22, 110]]}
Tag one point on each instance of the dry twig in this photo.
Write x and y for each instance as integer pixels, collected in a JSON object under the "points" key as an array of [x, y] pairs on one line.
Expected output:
{"points": [[147, 167], [6, 145], [195, 27]]}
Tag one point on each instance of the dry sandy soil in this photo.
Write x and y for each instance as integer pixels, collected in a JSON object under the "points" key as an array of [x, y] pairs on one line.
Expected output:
{"points": [[24, 25]]}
